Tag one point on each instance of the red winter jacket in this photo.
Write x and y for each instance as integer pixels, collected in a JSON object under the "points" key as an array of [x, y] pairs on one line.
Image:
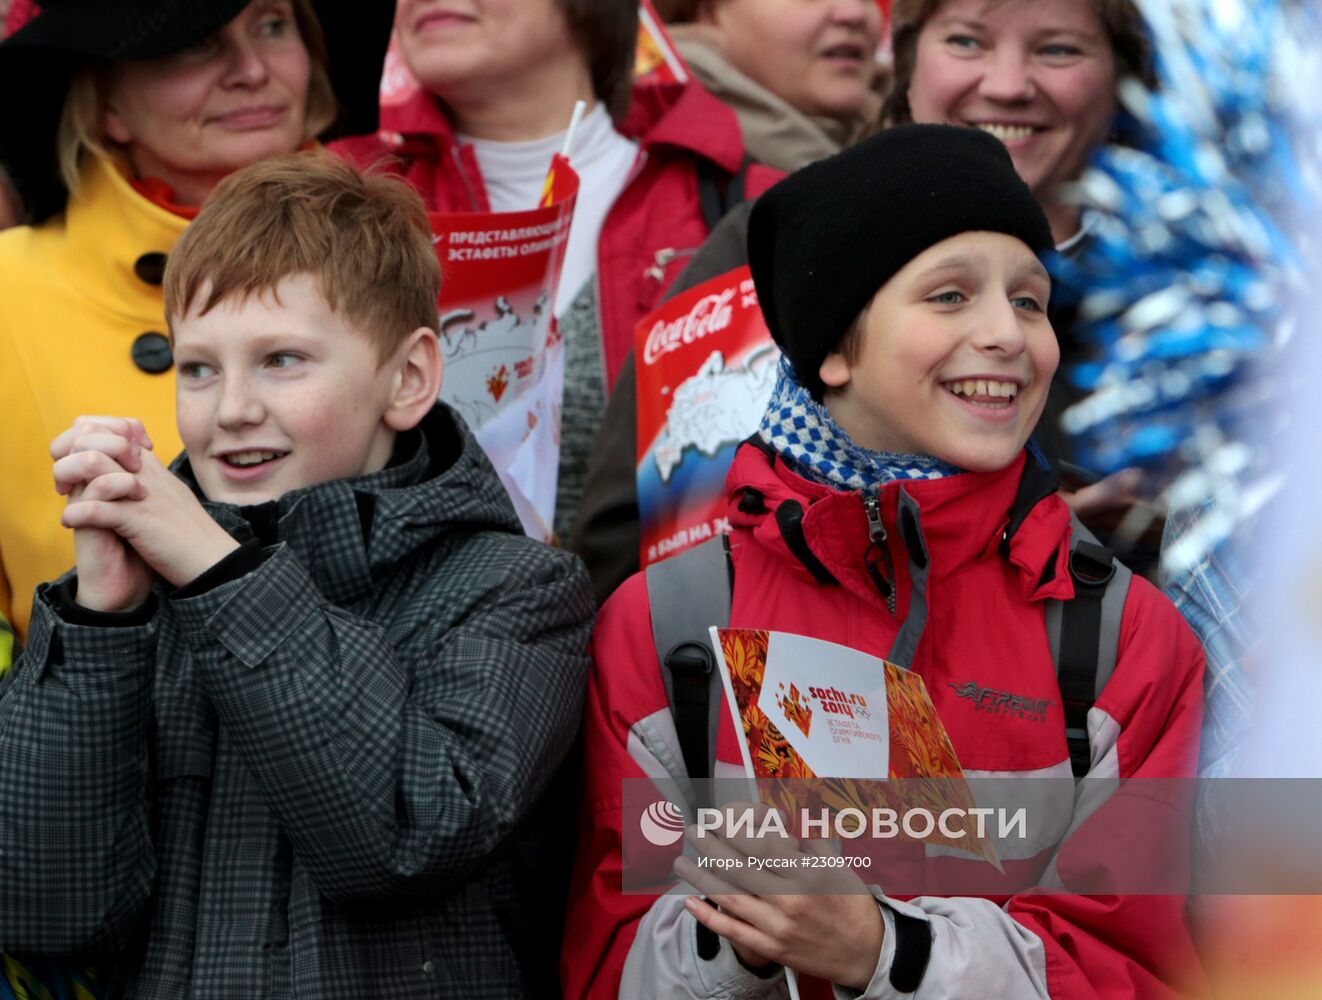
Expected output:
{"points": [[654, 226], [985, 625]]}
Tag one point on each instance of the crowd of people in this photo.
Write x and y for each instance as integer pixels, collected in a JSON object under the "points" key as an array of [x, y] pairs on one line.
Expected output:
{"points": [[295, 709]]}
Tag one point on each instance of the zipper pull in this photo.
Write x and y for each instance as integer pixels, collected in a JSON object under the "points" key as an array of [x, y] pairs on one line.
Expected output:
{"points": [[878, 557], [657, 272]]}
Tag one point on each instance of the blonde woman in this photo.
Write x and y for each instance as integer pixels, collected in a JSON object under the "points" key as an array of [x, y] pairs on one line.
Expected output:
{"points": [[133, 110]]}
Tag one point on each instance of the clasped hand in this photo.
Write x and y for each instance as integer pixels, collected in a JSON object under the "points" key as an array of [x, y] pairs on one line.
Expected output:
{"points": [[773, 904], [132, 520]]}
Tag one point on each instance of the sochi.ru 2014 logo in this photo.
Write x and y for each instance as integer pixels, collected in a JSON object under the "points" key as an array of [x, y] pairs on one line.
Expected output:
{"points": [[662, 823]]}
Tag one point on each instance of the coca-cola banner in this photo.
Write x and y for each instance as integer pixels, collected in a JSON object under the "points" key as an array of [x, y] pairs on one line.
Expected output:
{"points": [[706, 366], [504, 358]]}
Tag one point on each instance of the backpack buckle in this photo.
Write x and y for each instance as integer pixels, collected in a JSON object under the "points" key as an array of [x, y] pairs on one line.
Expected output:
{"points": [[691, 661], [1091, 565]]}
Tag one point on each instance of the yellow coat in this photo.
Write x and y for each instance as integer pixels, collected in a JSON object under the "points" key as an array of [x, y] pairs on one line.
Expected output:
{"points": [[71, 307]]}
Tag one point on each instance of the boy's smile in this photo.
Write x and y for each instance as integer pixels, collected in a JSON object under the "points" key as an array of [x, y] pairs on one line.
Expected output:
{"points": [[250, 464], [954, 355], [988, 392], [277, 392]]}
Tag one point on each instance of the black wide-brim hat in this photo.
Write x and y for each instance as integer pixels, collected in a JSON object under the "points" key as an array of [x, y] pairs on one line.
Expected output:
{"points": [[38, 61]]}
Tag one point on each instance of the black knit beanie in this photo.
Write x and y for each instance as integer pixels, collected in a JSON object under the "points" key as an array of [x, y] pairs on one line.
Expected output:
{"points": [[825, 239]]}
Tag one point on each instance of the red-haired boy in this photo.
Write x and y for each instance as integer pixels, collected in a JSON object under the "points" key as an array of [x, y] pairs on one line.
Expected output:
{"points": [[287, 729]]}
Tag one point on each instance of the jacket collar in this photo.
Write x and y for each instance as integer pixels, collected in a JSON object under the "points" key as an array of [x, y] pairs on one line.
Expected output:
{"points": [[685, 117], [419, 118], [1012, 515], [106, 228], [682, 116], [348, 532]]}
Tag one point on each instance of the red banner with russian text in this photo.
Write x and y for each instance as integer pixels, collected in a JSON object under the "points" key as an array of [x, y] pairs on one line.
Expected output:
{"points": [[504, 359]]}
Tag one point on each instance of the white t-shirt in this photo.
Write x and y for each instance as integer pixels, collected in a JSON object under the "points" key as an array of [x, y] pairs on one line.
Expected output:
{"points": [[515, 171]]}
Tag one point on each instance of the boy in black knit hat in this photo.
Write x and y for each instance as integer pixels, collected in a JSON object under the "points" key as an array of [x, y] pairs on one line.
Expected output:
{"points": [[891, 502]]}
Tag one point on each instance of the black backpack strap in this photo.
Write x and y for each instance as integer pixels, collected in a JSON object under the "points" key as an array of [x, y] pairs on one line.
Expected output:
{"points": [[718, 191], [1084, 634], [689, 593]]}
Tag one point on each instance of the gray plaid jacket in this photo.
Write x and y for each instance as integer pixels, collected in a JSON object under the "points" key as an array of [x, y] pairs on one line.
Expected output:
{"points": [[321, 779]]}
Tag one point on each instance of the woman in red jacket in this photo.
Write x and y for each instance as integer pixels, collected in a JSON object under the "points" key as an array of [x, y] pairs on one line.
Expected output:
{"points": [[499, 82], [890, 502]]}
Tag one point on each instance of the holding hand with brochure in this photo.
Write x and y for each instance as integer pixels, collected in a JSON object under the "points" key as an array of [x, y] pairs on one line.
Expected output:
{"points": [[767, 898]]}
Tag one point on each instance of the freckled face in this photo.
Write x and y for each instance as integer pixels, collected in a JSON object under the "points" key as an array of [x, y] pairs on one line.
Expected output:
{"points": [[275, 393], [1038, 75], [955, 355]]}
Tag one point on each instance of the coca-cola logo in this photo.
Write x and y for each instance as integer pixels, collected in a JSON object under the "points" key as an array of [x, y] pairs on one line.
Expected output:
{"points": [[710, 314]]}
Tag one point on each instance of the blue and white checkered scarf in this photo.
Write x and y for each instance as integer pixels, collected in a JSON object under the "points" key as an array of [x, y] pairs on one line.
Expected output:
{"points": [[802, 432]]}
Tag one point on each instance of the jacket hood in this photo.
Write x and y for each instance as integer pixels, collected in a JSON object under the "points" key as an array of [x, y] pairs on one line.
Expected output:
{"points": [[348, 531], [945, 524]]}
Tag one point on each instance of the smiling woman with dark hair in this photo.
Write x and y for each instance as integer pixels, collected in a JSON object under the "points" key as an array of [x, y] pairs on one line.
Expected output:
{"points": [[133, 110], [1041, 77]]}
